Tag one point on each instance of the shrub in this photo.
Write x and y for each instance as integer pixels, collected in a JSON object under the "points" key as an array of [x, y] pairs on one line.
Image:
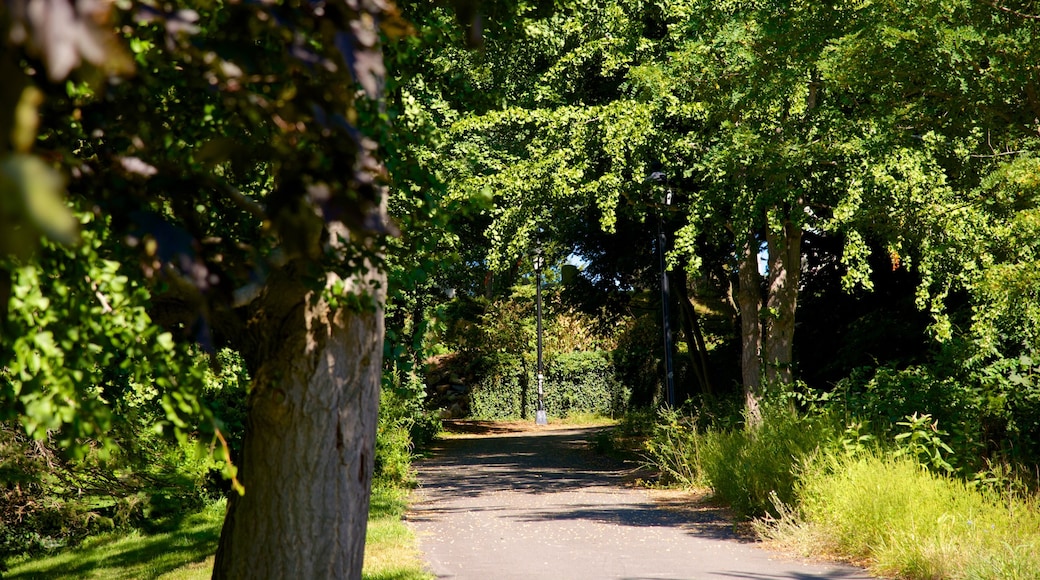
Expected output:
{"points": [[992, 411], [393, 463], [51, 500], [637, 360], [674, 449], [403, 426], [575, 383], [504, 385], [583, 382]]}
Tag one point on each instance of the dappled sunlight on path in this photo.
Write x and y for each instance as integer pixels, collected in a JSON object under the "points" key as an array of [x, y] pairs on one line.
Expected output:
{"points": [[539, 504]]}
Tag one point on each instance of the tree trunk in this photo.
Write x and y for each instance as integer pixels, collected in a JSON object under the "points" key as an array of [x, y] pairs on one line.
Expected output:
{"points": [[785, 255], [308, 454], [695, 346], [749, 299]]}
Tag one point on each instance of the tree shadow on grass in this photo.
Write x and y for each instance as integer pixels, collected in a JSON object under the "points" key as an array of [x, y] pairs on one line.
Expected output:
{"points": [[144, 558]]}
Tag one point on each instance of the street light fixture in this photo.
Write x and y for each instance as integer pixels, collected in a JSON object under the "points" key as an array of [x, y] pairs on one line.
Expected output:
{"points": [[540, 417]]}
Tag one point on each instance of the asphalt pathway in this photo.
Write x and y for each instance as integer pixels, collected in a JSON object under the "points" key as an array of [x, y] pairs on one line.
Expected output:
{"points": [[540, 505]]}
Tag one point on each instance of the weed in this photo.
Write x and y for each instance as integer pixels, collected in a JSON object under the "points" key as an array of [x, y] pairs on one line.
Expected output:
{"points": [[923, 441]]}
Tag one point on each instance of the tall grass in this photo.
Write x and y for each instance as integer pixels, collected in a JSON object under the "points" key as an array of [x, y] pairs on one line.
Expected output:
{"points": [[826, 490], [904, 520], [745, 467]]}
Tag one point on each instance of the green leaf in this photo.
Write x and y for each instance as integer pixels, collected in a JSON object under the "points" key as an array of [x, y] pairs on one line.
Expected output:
{"points": [[26, 119], [33, 191]]}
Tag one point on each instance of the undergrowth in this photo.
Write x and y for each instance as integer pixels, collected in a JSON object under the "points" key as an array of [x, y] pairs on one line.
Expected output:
{"points": [[888, 499], [903, 519], [744, 466]]}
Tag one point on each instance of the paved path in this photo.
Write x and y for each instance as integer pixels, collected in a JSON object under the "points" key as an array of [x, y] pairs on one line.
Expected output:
{"points": [[539, 505]]}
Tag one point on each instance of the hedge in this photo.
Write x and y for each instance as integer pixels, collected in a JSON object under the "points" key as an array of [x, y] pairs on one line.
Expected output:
{"points": [[577, 382]]}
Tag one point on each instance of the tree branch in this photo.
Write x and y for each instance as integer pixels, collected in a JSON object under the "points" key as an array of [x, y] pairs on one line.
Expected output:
{"points": [[1011, 11]]}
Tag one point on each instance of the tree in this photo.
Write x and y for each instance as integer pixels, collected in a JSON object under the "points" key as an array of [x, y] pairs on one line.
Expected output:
{"points": [[241, 166], [612, 98]]}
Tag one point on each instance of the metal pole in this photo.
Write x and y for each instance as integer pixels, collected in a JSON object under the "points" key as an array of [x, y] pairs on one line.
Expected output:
{"points": [[540, 417], [669, 375]]}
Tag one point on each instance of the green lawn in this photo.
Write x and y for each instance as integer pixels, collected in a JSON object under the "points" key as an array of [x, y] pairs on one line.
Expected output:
{"points": [[186, 552], [135, 555]]}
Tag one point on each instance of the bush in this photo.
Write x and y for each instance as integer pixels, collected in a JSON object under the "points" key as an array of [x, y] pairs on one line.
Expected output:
{"points": [[637, 360], [505, 384], [393, 463], [403, 426], [583, 382], [674, 449], [575, 383], [994, 411], [748, 467]]}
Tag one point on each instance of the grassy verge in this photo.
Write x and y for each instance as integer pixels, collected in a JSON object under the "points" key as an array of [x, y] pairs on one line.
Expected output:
{"points": [[902, 520], [186, 551], [118, 556], [390, 549], [825, 491]]}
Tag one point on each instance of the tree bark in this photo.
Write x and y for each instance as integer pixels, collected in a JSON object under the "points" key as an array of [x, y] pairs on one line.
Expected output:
{"points": [[785, 264], [308, 454], [749, 299]]}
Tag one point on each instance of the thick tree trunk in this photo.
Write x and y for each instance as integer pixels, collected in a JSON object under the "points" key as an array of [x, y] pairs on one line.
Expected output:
{"points": [[307, 459], [749, 299], [785, 255]]}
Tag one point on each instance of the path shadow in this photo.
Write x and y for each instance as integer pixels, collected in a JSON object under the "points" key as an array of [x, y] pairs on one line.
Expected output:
{"points": [[547, 462], [544, 462]]}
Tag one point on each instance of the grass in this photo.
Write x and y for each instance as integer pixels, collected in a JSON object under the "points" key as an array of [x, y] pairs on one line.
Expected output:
{"points": [[900, 519], [186, 552], [835, 498], [390, 549], [744, 467], [584, 420], [118, 556]]}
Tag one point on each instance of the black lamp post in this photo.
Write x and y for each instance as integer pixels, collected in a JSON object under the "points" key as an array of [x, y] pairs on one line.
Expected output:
{"points": [[540, 417], [662, 246]]}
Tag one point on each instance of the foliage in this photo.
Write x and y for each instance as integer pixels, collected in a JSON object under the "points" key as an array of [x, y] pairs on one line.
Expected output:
{"points": [[637, 360], [191, 185], [83, 358], [575, 383], [184, 552], [504, 391], [53, 500], [132, 479], [987, 413], [745, 467], [922, 440], [218, 165], [673, 448], [904, 520], [404, 426]]}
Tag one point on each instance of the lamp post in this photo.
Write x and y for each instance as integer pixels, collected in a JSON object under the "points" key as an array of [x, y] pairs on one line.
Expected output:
{"points": [[540, 417], [662, 245]]}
